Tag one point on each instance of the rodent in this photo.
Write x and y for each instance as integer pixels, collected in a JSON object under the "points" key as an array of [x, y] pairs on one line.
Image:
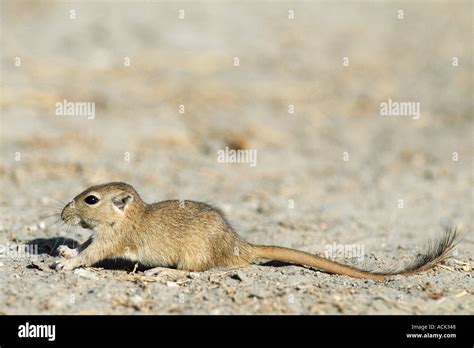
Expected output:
{"points": [[190, 236]]}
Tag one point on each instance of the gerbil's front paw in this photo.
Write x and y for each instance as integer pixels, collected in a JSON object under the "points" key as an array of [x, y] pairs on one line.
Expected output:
{"points": [[65, 265], [66, 252]]}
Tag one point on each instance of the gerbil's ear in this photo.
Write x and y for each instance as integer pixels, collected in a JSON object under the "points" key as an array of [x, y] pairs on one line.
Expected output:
{"points": [[122, 200]]}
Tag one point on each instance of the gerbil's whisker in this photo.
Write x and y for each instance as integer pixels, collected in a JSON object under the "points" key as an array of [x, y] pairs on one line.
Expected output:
{"points": [[59, 201], [47, 216], [58, 221], [54, 206]]}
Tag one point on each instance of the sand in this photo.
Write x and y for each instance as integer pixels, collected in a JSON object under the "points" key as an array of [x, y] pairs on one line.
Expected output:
{"points": [[332, 171]]}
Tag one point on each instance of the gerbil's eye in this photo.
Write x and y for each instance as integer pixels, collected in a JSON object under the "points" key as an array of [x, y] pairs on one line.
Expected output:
{"points": [[91, 199]]}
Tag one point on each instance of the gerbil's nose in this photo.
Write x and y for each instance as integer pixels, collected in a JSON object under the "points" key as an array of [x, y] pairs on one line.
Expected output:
{"points": [[65, 210]]}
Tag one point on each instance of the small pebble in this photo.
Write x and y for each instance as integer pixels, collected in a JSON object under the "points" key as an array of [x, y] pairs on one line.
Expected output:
{"points": [[241, 276], [84, 273], [32, 228], [227, 208], [193, 275], [136, 300], [172, 284]]}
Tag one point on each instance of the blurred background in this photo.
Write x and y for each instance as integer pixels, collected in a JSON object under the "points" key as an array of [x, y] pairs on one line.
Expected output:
{"points": [[333, 169]]}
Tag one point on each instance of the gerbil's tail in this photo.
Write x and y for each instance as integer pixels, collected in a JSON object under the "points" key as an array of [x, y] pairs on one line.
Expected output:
{"points": [[435, 253]]}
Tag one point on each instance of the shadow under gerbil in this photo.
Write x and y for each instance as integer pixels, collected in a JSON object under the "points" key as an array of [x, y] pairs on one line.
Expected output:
{"points": [[275, 263], [49, 246], [120, 264]]}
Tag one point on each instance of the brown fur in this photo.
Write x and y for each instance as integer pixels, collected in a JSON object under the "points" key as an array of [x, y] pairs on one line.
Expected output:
{"points": [[188, 235]]}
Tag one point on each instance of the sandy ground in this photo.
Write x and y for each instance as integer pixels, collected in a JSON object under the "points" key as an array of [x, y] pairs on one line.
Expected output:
{"points": [[334, 173]]}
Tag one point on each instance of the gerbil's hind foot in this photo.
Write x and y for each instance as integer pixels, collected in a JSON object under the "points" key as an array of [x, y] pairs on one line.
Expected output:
{"points": [[66, 252], [163, 271]]}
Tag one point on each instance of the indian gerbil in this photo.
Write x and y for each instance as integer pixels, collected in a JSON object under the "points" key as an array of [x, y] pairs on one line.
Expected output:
{"points": [[190, 236]]}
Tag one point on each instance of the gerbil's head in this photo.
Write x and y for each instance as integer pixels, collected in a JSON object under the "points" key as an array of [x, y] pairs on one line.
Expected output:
{"points": [[102, 204]]}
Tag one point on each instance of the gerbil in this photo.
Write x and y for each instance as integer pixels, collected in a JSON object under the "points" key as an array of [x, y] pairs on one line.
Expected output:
{"points": [[188, 235]]}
